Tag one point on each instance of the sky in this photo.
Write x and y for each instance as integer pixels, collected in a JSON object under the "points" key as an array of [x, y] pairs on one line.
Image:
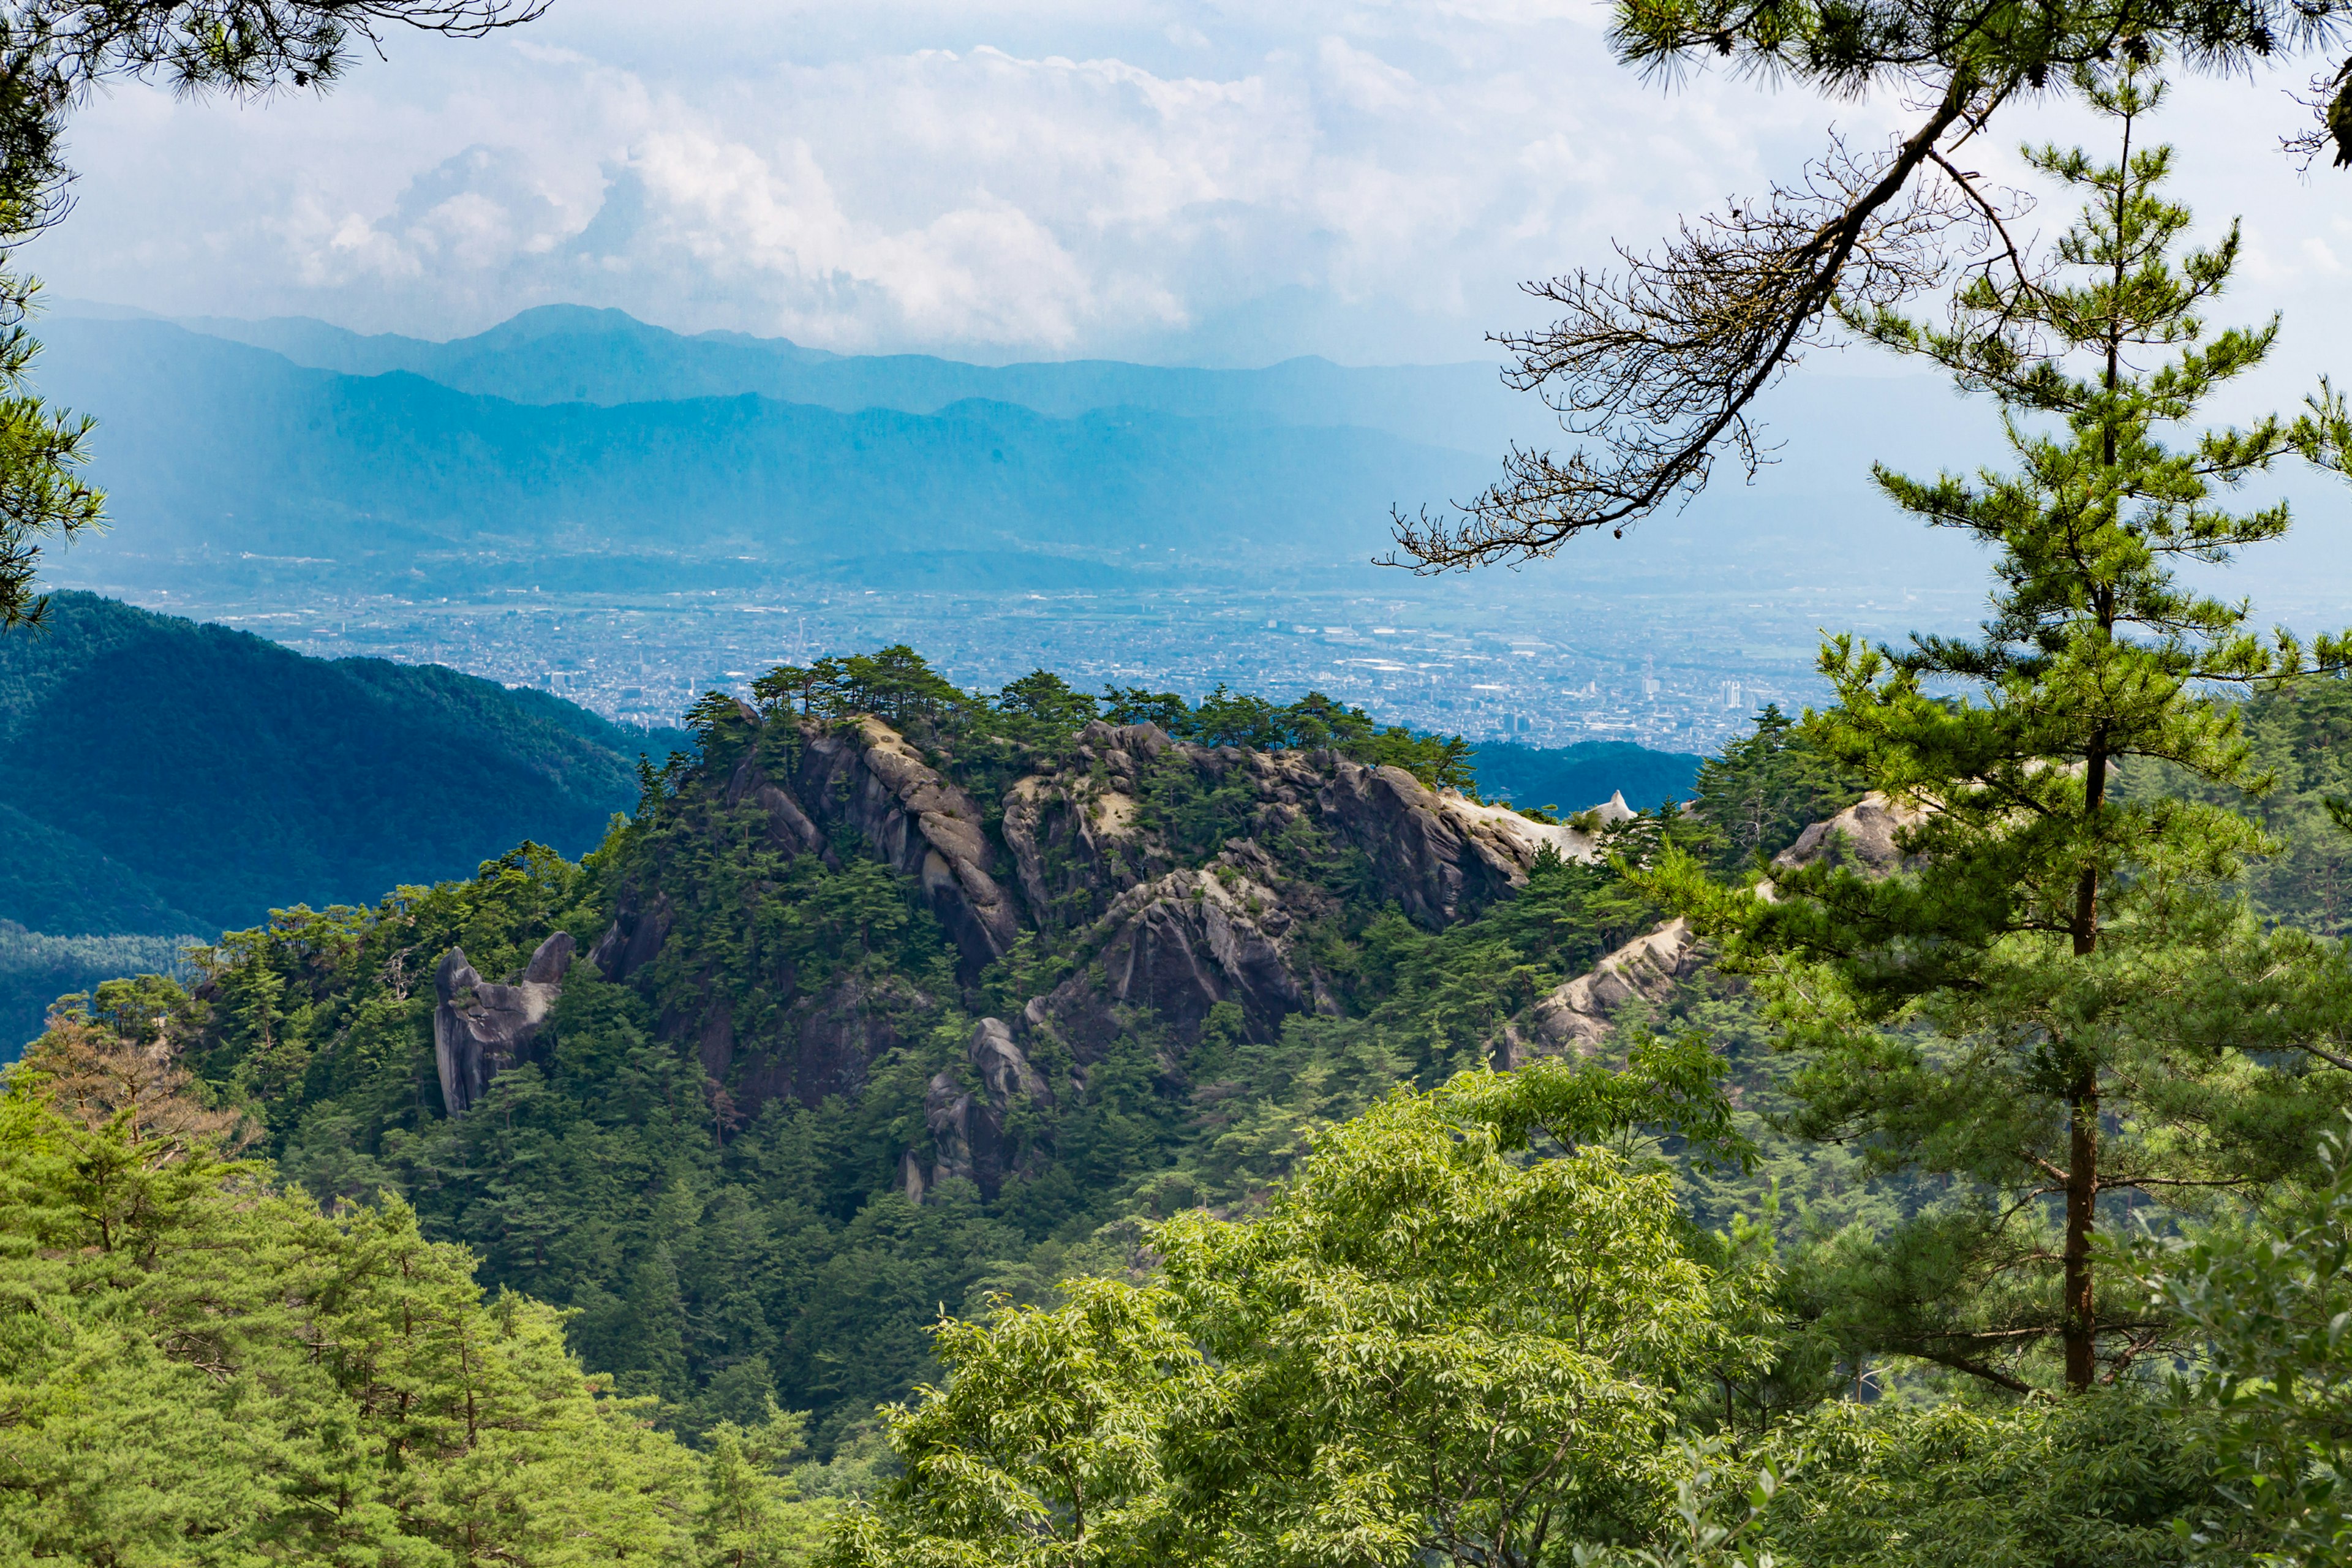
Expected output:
{"points": [[1177, 180]]}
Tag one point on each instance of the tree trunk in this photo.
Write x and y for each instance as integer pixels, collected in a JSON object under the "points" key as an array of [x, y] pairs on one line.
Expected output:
{"points": [[2081, 1330]]}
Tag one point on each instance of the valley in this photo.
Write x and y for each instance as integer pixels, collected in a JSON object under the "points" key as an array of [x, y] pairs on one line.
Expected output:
{"points": [[1548, 669]]}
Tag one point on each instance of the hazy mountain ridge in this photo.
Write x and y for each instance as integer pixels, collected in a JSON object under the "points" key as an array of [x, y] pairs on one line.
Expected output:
{"points": [[212, 448], [563, 354]]}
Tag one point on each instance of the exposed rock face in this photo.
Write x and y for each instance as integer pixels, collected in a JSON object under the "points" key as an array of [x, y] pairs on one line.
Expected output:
{"points": [[968, 1126], [1861, 836], [1074, 835], [1180, 944], [481, 1029], [1581, 1015], [635, 935], [835, 1037], [919, 823], [1441, 854], [1179, 939], [1089, 859]]}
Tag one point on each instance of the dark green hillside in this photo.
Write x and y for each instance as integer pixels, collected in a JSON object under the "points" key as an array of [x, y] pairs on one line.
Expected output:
{"points": [[1573, 777], [216, 776]]}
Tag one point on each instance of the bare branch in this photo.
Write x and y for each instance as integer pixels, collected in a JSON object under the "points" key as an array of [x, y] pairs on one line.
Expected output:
{"points": [[1658, 367]]}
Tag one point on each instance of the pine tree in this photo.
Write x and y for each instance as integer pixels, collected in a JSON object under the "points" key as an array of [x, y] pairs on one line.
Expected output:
{"points": [[2021, 1011]]}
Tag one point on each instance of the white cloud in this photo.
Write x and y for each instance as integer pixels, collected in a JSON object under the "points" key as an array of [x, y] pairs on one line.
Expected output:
{"points": [[1039, 179]]}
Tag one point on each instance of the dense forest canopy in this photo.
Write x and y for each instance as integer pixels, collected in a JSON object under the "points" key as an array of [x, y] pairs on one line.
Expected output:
{"points": [[725, 1257]]}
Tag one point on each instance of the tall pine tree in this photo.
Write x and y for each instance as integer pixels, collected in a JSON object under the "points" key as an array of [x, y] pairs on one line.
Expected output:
{"points": [[2022, 1012]]}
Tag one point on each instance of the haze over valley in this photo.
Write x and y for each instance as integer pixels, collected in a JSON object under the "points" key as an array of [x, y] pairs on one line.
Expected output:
{"points": [[585, 504]]}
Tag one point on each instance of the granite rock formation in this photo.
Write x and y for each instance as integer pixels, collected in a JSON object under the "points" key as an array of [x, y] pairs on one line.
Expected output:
{"points": [[1146, 913], [1863, 836], [969, 1125], [1579, 1016], [480, 1028]]}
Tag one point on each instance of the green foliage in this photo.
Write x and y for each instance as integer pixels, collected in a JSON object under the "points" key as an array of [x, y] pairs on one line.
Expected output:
{"points": [[2269, 1300], [37, 969], [1755, 796], [2300, 737], [2030, 1008], [1425, 1345], [44, 495], [2098, 1482], [202, 1370], [307, 780], [1044, 1446]]}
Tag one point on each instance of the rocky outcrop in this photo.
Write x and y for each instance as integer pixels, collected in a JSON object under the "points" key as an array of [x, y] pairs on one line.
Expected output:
{"points": [[1074, 835], [1440, 856], [635, 935], [1179, 945], [968, 1126], [871, 780], [480, 1029], [822, 1044], [1149, 933], [1581, 1015], [1101, 854], [868, 780], [1863, 836]]}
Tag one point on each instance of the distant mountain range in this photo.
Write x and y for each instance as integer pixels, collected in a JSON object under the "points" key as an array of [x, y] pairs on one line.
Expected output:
{"points": [[614, 454], [162, 777], [213, 452], [571, 354], [610, 453]]}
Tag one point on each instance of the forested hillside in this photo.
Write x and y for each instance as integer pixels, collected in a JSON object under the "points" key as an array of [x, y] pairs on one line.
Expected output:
{"points": [[214, 777], [897, 996], [897, 999], [860, 1022]]}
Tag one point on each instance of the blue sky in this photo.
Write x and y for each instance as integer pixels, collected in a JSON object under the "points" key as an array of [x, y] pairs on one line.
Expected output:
{"points": [[1181, 181]]}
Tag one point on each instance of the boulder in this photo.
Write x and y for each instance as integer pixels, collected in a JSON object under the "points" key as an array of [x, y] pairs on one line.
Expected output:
{"points": [[481, 1029]]}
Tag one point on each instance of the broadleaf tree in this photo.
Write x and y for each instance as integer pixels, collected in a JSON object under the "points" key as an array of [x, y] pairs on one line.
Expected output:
{"points": [[1458, 1334]]}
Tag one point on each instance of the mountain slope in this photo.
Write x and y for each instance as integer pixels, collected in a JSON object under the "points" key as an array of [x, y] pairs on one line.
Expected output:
{"points": [[213, 449], [160, 776], [851, 1020], [566, 353]]}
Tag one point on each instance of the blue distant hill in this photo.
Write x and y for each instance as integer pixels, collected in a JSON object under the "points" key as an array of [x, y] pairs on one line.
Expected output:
{"points": [[1574, 777], [571, 354], [215, 453]]}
